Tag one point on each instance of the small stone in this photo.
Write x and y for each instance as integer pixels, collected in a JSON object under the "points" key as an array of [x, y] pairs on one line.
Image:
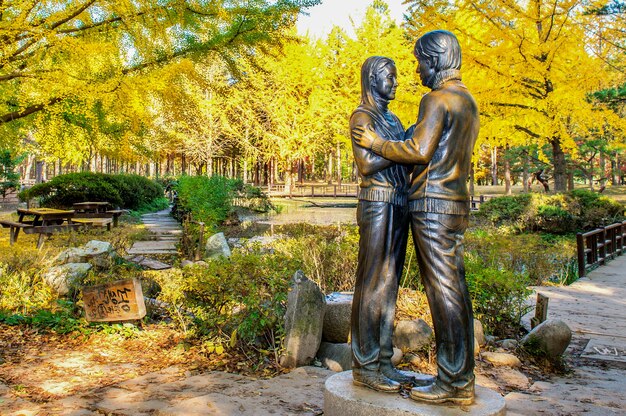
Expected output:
{"points": [[303, 322], [186, 263], [412, 335], [509, 344], [61, 278], [217, 246], [201, 263], [397, 356], [490, 339], [479, 333], [337, 317], [501, 359], [99, 253], [335, 357], [551, 338]]}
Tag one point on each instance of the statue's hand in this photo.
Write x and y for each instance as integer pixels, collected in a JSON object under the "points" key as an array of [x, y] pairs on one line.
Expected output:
{"points": [[364, 136]]}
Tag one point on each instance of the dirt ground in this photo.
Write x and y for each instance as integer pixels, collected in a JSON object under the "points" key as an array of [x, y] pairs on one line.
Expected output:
{"points": [[154, 371]]}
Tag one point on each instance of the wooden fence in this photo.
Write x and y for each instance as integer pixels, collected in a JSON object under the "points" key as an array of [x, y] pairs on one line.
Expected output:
{"points": [[597, 246], [313, 191]]}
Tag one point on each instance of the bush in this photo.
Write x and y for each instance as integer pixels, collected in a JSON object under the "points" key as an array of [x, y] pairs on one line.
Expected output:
{"points": [[541, 257], [557, 214], [326, 255], [200, 198], [125, 191], [237, 300], [498, 296]]}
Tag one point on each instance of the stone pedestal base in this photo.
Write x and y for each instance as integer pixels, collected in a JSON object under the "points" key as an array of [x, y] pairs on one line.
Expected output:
{"points": [[343, 398]]}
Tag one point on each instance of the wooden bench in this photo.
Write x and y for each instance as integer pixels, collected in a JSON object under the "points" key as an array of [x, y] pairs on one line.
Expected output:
{"points": [[14, 229], [95, 222], [48, 230], [113, 214]]}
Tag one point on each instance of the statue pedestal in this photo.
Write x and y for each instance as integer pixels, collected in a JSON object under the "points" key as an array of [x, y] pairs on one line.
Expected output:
{"points": [[343, 398]]}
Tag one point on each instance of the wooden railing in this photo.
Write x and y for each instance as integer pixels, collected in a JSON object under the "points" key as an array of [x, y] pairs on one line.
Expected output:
{"points": [[475, 201], [595, 247], [314, 191]]}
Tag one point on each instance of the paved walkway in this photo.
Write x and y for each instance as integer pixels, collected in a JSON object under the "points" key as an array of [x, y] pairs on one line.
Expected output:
{"points": [[165, 233], [595, 309]]}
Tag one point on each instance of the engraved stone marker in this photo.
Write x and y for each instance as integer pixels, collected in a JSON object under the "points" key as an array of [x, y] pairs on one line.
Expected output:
{"points": [[117, 301], [541, 310]]}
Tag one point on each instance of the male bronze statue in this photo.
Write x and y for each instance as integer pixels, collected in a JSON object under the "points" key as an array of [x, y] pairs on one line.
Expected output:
{"points": [[382, 217], [440, 148]]}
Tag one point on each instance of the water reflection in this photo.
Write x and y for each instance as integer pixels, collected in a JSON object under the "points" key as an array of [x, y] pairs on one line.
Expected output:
{"points": [[318, 211]]}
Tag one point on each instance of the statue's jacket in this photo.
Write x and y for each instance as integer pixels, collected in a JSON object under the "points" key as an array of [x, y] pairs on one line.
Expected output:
{"points": [[440, 146], [381, 180]]}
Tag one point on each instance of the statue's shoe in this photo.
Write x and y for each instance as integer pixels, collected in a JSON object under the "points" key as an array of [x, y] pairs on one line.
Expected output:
{"points": [[374, 380], [436, 394], [394, 374]]}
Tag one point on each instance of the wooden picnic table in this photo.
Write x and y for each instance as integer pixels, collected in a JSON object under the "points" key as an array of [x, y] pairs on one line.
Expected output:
{"points": [[91, 207], [97, 211], [42, 221]]}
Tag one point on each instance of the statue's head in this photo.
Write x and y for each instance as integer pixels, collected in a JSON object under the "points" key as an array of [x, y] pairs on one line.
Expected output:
{"points": [[436, 51], [378, 81]]}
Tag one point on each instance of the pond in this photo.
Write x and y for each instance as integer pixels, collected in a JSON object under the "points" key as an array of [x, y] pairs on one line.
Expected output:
{"points": [[317, 211]]}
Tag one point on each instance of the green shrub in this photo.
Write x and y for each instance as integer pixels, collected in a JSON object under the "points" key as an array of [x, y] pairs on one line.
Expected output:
{"points": [[557, 214], [498, 296], [326, 255], [241, 299], [541, 257], [124, 191], [206, 199]]}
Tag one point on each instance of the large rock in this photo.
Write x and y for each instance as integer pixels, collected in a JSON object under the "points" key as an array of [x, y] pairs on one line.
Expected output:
{"points": [[411, 335], [551, 338], [336, 357], [217, 246], [337, 317], [501, 359], [479, 333], [98, 253], [303, 322], [62, 278]]}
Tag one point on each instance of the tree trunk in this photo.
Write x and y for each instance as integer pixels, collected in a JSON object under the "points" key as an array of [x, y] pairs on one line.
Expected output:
{"points": [[526, 173], [603, 175], [329, 169], [590, 175], [560, 166], [471, 180], [494, 165], [507, 175], [570, 181], [338, 164], [39, 171]]}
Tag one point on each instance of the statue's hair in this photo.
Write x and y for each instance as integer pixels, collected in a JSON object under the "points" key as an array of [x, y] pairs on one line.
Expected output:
{"points": [[441, 48], [372, 66]]}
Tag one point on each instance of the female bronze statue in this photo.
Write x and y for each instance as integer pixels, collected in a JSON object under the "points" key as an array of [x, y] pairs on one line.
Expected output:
{"points": [[383, 227]]}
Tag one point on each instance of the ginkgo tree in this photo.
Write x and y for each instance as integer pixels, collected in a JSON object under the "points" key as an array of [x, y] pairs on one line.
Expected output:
{"points": [[86, 50], [532, 71]]}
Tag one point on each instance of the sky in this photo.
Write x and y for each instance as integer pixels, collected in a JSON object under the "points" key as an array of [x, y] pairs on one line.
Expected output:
{"points": [[338, 13]]}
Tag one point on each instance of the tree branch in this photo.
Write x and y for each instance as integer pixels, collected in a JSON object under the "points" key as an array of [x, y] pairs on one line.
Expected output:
{"points": [[27, 111]]}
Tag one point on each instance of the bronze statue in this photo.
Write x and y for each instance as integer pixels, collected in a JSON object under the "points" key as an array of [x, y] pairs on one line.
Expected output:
{"points": [[440, 148], [382, 217]]}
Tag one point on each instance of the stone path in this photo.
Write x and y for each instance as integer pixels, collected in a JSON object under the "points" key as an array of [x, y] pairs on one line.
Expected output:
{"points": [[595, 309], [165, 233]]}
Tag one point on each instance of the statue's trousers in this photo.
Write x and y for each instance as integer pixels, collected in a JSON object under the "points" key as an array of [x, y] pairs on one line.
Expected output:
{"points": [[383, 230], [438, 242]]}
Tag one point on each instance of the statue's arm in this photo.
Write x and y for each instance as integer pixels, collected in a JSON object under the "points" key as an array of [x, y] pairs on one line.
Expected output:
{"points": [[366, 161], [420, 147], [417, 149]]}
